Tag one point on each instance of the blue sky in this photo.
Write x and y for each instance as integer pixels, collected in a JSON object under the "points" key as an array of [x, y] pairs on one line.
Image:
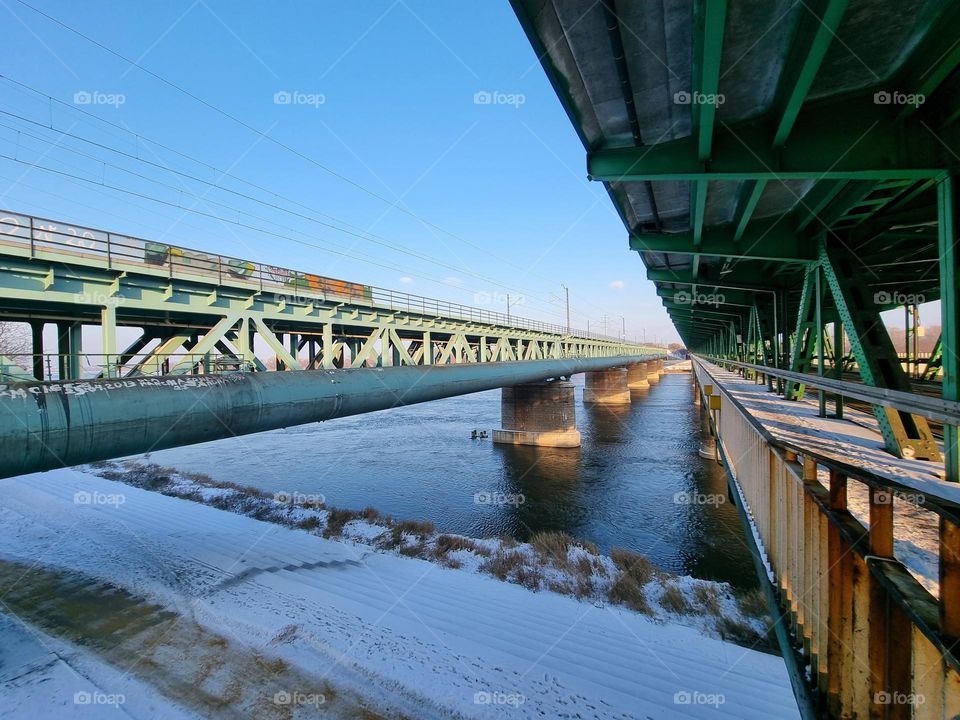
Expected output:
{"points": [[493, 196]]}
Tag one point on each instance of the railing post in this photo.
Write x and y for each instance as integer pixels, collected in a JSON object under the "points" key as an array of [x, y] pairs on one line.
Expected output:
{"points": [[839, 596], [949, 578]]}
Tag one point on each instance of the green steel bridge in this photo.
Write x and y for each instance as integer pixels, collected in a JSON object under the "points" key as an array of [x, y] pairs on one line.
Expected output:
{"points": [[787, 171], [224, 346]]}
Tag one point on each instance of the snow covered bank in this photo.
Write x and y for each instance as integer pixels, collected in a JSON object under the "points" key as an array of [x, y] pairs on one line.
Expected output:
{"points": [[552, 562], [413, 638]]}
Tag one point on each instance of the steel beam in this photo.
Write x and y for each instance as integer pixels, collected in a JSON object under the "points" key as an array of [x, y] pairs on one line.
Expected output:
{"points": [[769, 239], [846, 141], [949, 343]]}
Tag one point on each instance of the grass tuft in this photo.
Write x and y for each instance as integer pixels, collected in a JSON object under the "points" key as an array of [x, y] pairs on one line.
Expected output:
{"points": [[707, 598], [553, 546], [626, 591], [635, 565], [673, 600], [501, 564]]}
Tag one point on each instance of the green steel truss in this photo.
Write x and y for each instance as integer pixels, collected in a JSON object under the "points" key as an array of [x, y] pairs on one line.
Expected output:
{"points": [[199, 317]]}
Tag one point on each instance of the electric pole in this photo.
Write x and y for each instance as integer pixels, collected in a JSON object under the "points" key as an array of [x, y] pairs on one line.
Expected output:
{"points": [[568, 306]]}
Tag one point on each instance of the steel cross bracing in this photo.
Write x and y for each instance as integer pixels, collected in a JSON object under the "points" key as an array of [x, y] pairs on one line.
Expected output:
{"points": [[200, 312]]}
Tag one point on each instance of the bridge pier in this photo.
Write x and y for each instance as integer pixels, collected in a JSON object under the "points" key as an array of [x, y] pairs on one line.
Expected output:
{"points": [[539, 413], [637, 376], [607, 387], [654, 370]]}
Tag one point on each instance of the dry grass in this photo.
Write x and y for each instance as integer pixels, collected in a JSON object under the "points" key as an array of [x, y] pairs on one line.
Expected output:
{"points": [[585, 588], [636, 566], [590, 547], [583, 567], [420, 530], [336, 519], [563, 587], [507, 542], [370, 514], [310, 523], [530, 577], [707, 598], [418, 550], [451, 543], [673, 600], [553, 546], [626, 591], [753, 603], [501, 564], [737, 632]]}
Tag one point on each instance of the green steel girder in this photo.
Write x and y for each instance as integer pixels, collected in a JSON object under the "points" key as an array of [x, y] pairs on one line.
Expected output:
{"points": [[768, 239], [721, 297], [949, 342], [709, 20], [805, 335], [849, 140], [905, 435], [741, 278], [934, 59], [815, 30]]}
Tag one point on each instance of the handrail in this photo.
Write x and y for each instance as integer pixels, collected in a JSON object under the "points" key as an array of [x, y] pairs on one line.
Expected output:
{"points": [[947, 411], [838, 578], [39, 234], [943, 506]]}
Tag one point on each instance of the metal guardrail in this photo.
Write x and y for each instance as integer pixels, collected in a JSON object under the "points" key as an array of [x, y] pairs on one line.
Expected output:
{"points": [[116, 251], [946, 411], [860, 623]]}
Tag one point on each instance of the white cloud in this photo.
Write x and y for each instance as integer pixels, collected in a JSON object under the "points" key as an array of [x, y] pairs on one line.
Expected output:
{"points": [[406, 280], [618, 284]]}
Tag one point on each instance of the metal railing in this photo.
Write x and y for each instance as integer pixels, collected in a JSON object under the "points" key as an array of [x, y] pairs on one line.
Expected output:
{"points": [[874, 640], [115, 251], [933, 408]]}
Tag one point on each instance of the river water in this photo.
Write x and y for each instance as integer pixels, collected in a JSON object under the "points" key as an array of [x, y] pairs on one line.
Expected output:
{"points": [[629, 484]]}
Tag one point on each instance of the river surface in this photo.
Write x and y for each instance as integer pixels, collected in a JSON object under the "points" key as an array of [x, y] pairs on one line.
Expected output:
{"points": [[620, 488]]}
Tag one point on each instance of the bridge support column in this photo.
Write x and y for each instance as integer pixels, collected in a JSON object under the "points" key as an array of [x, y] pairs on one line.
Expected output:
{"points": [[654, 368], [36, 335], [68, 348], [637, 376], [541, 413], [607, 387], [108, 341], [708, 443]]}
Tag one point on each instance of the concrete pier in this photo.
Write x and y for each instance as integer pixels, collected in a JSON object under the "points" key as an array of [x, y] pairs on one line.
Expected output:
{"points": [[607, 387], [654, 368], [540, 413], [637, 376], [708, 443]]}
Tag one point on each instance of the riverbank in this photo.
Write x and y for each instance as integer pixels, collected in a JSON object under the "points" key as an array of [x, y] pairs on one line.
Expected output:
{"points": [[407, 637], [550, 562]]}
